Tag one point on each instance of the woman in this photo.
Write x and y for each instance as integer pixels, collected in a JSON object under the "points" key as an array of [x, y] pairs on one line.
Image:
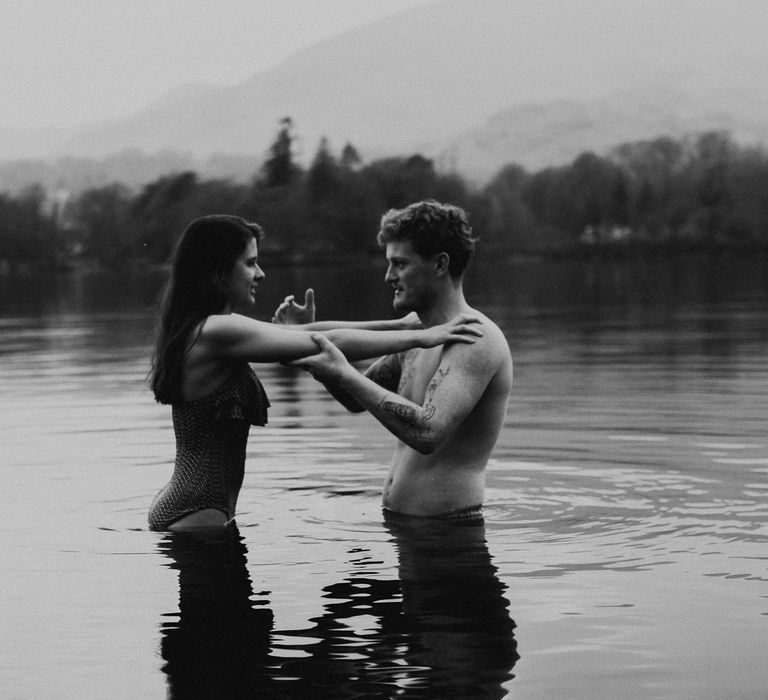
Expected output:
{"points": [[200, 365]]}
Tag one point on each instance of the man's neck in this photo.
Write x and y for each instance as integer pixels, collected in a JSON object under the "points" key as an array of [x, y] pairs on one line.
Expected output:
{"points": [[445, 306]]}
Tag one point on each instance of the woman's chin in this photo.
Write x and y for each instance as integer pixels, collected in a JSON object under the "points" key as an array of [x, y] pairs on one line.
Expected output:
{"points": [[244, 306]]}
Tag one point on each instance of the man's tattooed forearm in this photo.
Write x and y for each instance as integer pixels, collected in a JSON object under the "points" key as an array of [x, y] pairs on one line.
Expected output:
{"points": [[407, 414], [417, 427]]}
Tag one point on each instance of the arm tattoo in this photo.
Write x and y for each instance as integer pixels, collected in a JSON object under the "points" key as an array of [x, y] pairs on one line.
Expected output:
{"points": [[418, 427], [405, 374], [407, 414], [429, 407], [417, 430], [437, 380]]}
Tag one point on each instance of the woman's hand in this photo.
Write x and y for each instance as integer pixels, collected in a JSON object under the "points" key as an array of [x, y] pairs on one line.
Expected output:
{"points": [[328, 366], [291, 313], [410, 322], [463, 328]]}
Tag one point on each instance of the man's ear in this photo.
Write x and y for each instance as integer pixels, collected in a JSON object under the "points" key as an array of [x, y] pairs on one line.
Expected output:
{"points": [[441, 263]]}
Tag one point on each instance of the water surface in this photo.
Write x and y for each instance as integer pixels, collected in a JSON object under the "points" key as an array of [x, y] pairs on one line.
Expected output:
{"points": [[623, 553]]}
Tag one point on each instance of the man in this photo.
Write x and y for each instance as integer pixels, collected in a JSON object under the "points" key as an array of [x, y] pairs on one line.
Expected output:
{"points": [[446, 405]]}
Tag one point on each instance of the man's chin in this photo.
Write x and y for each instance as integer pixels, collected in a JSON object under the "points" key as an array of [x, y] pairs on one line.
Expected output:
{"points": [[399, 305]]}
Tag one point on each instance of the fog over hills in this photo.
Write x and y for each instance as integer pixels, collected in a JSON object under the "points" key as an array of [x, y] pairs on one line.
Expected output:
{"points": [[475, 85]]}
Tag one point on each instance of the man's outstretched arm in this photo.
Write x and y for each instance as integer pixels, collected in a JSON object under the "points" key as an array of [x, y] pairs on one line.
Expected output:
{"points": [[452, 393], [385, 372]]}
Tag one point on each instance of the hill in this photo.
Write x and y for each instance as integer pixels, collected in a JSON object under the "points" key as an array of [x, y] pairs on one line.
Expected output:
{"points": [[474, 85]]}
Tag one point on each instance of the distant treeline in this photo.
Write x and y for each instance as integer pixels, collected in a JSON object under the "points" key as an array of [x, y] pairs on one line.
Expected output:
{"points": [[700, 191]]}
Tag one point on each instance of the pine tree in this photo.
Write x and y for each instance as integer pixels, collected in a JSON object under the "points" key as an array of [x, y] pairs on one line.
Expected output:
{"points": [[350, 158], [278, 168]]}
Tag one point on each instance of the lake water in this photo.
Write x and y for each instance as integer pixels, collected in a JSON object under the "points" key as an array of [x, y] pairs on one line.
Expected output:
{"points": [[625, 547]]}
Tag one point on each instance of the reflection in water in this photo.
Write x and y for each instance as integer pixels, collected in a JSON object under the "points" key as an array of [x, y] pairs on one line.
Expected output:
{"points": [[459, 635], [220, 639], [441, 631]]}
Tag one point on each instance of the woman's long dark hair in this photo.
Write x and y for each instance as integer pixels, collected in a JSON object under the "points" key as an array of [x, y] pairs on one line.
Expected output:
{"points": [[206, 251]]}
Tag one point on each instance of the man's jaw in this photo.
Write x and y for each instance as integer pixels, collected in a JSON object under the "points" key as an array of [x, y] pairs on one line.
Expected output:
{"points": [[401, 301]]}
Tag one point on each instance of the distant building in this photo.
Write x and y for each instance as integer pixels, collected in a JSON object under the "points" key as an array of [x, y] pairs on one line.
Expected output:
{"points": [[604, 233]]}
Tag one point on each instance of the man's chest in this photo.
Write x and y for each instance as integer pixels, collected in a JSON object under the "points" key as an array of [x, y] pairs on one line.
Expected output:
{"points": [[418, 368]]}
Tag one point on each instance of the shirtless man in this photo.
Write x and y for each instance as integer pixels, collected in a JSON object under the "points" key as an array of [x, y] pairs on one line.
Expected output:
{"points": [[446, 405]]}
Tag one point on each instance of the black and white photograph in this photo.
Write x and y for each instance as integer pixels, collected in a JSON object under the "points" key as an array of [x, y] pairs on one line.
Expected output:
{"points": [[384, 349]]}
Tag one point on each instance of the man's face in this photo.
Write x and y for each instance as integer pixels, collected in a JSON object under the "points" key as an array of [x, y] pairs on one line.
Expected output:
{"points": [[410, 275]]}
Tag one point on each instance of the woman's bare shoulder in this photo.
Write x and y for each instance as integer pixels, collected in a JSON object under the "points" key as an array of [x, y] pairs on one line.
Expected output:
{"points": [[223, 327]]}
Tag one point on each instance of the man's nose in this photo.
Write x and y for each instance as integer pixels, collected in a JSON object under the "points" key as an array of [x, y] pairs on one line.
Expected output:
{"points": [[389, 277]]}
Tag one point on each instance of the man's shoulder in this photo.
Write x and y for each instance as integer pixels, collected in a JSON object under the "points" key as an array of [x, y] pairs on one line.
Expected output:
{"points": [[493, 341], [488, 353]]}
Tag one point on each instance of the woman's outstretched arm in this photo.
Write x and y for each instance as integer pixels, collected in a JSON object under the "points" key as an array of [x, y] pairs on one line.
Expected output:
{"points": [[233, 336]]}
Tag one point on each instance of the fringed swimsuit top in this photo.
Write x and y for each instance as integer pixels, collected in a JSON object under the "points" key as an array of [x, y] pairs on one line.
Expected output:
{"points": [[211, 436]]}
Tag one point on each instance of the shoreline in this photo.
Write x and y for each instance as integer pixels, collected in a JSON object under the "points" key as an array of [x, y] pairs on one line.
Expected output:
{"points": [[625, 250]]}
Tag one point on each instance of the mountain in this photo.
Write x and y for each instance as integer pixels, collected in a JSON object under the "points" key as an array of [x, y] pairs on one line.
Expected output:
{"points": [[552, 133], [474, 84]]}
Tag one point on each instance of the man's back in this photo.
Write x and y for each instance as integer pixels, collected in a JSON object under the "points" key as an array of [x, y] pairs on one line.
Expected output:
{"points": [[466, 388]]}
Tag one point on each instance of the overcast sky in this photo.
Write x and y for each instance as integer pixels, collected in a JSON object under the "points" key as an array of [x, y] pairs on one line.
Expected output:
{"points": [[67, 62]]}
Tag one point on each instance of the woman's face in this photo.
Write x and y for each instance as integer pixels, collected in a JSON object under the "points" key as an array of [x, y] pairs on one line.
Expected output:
{"points": [[241, 281]]}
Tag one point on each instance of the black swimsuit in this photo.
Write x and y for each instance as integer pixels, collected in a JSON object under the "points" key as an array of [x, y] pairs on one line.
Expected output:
{"points": [[211, 436]]}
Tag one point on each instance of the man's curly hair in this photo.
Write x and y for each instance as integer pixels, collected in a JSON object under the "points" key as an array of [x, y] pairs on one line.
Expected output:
{"points": [[432, 228]]}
